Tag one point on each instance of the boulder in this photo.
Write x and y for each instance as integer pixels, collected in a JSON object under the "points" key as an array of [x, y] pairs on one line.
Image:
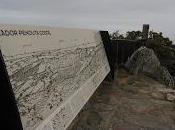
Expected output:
{"points": [[145, 61], [170, 97]]}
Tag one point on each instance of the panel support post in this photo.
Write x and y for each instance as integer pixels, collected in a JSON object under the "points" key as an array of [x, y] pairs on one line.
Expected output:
{"points": [[109, 51], [9, 110]]}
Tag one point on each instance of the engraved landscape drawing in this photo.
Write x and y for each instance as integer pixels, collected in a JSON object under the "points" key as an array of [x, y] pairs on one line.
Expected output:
{"points": [[51, 84]]}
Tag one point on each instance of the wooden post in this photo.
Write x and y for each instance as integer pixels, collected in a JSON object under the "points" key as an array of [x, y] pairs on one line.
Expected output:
{"points": [[145, 31]]}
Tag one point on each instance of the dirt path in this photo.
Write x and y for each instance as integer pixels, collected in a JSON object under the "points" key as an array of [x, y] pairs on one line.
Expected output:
{"points": [[129, 103]]}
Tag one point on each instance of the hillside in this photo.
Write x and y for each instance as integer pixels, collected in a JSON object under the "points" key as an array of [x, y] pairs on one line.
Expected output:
{"points": [[129, 103]]}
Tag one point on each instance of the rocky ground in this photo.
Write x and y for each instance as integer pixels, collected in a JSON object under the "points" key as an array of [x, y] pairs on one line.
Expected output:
{"points": [[129, 103]]}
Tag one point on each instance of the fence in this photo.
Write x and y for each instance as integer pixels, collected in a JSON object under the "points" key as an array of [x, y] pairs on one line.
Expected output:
{"points": [[125, 48]]}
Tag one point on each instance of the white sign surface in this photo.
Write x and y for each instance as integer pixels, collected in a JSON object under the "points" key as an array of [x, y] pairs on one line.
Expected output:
{"points": [[53, 72]]}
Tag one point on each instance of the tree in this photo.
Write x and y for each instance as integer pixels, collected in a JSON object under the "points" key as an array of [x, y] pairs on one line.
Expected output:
{"points": [[159, 38], [156, 37], [116, 35], [133, 35]]}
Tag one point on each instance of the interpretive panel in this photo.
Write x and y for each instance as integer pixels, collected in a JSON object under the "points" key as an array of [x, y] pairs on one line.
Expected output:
{"points": [[53, 72]]}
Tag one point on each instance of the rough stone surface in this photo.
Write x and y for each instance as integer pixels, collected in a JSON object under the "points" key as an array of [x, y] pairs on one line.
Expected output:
{"points": [[170, 97], [145, 61]]}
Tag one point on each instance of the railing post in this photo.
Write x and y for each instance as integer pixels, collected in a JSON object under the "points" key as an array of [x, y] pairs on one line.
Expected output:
{"points": [[145, 31]]}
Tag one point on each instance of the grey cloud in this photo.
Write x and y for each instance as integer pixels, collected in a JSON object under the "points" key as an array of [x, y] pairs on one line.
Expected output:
{"points": [[95, 14]]}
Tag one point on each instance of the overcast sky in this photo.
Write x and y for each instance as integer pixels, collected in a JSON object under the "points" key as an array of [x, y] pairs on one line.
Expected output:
{"points": [[110, 15]]}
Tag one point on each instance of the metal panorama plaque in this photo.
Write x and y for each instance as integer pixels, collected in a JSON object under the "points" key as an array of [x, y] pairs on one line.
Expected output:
{"points": [[53, 72]]}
